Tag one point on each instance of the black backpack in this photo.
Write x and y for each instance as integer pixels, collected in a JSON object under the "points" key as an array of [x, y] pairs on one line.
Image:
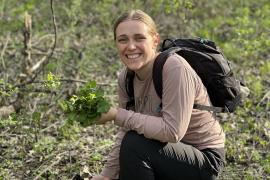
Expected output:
{"points": [[208, 62]]}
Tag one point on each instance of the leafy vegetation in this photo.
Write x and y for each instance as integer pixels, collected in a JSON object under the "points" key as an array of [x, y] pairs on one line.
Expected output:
{"points": [[87, 106], [36, 142]]}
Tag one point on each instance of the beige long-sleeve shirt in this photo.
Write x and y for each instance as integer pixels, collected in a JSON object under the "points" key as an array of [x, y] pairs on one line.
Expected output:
{"points": [[177, 120]]}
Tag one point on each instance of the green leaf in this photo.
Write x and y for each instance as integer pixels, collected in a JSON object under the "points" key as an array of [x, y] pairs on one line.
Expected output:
{"points": [[93, 84], [103, 107], [36, 116]]}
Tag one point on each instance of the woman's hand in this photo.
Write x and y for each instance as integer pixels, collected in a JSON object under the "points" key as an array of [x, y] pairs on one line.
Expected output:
{"points": [[99, 177], [108, 116]]}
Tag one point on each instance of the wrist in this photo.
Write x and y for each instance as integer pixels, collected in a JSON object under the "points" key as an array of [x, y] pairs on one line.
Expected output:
{"points": [[114, 113]]}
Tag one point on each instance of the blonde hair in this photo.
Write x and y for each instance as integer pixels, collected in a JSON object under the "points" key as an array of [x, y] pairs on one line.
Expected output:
{"points": [[136, 15]]}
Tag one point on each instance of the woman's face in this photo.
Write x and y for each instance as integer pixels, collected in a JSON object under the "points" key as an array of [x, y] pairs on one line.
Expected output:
{"points": [[136, 46]]}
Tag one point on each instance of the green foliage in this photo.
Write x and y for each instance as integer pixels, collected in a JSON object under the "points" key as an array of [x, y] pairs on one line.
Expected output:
{"points": [[265, 68], [266, 163], [11, 121], [45, 145], [36, 116], [96, 157], [256, 86], [69, 131], [53, 82], [7, 89], [87, 105]]}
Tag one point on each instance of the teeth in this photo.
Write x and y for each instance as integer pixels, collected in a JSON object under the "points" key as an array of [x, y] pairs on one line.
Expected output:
{"points": [[132, 56]]}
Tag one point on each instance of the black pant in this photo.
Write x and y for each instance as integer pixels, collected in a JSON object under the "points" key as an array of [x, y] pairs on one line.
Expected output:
{"points": [[146, 159]]}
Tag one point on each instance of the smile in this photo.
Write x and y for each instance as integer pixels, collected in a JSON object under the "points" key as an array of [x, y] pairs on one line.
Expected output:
{"points": [[133, 56]]}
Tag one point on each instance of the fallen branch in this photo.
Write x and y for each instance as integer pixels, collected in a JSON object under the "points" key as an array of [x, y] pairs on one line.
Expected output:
{"points": [[37, 65], [59, 157], [50, 126]]}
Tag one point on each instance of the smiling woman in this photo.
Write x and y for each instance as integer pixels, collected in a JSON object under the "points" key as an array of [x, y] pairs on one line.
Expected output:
{"points": [[136, 45], [174, 142]]}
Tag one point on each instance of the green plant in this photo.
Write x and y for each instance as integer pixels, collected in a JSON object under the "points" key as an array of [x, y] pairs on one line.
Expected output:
{"points": [[7, 89], [53, 81], [45, 145], [36, 117], [87, 105]]}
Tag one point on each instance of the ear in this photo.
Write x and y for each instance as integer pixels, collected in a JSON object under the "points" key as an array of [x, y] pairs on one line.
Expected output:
{"points": [[156, 40]]}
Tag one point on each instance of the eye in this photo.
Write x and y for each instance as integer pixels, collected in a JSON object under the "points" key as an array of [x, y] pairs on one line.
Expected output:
{"points": [[122, 40], [140, 38]]}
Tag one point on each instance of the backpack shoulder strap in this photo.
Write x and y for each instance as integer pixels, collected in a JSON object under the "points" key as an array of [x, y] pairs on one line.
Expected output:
{"points": [[130, 88], [158, 67]]}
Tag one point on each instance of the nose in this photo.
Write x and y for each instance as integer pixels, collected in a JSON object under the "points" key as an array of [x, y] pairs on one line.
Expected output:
{"points": [[131, 45]]}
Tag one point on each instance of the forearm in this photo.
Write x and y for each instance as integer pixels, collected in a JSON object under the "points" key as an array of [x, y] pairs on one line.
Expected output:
{"points": [[151, 126]]}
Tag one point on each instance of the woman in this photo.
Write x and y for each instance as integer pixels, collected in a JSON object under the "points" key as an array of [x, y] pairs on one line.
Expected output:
{"points": [[176, 142]]}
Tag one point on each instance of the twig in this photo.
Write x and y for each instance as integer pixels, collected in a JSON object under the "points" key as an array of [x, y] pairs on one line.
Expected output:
{"points": [[73, 80], [61, 80], [265, 97], [41, 82], [40, 53], [38, 64], [4, 133], [45, 51], [48, 127], [36, 42], [38, 91], [55, 35], [46, 61], [3, 52], [59, 157]]}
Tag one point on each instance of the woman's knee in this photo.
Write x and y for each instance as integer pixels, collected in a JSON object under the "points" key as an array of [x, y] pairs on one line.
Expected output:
{"points": [[136, 145], [131, 142]]}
